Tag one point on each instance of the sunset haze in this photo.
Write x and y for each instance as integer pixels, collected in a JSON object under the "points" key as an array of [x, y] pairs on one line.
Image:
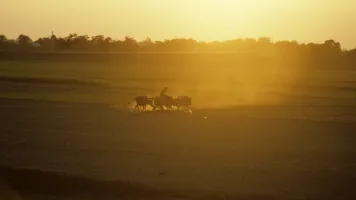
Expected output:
{"points": [[209, 20]]}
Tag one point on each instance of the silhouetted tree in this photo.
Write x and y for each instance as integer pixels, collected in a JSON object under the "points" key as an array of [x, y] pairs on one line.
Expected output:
{"points": [[80, 43], [3, 42], [3, 38], [264, 45], [287, 53], [147, 45], [250, 44], [130, 44], [100, 43], [45, 43], [24, 42]]}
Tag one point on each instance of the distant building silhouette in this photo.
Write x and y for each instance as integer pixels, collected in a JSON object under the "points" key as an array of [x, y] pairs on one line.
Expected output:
{"points": [[53, 42]]}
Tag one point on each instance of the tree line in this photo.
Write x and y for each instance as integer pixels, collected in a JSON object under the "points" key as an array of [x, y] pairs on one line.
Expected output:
{"points": [[329, 53]]}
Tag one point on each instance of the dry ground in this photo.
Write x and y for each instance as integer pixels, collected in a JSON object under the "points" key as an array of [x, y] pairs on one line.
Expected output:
{"points": [[229, 151], [294, 141]]}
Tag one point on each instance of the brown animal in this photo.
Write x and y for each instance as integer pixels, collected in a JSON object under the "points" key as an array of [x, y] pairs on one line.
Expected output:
{"points": [[164, 101], [141, 103], [183, 102]]}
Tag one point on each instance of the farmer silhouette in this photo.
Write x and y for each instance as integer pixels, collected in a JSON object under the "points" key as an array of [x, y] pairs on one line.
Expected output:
{"points": [[163, 92]]}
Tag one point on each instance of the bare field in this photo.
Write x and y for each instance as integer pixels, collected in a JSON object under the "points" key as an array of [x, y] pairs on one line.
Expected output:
{"points": [[272, 134]]}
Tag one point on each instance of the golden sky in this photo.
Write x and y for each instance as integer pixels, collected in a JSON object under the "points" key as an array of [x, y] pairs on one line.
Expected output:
{"points": [[301, 20]]}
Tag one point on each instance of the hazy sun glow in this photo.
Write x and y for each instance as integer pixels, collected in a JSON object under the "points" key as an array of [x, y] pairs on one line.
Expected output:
{"points": [[302, 20]]}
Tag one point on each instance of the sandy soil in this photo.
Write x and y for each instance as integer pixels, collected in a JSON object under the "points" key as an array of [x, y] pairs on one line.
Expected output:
{"points": [[232, 151]]}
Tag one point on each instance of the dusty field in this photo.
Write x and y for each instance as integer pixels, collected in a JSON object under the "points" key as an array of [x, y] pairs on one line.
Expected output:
{"points": [[227, 152], [300, 145]]}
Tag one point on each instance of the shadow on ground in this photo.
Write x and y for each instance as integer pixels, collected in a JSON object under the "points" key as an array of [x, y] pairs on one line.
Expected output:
{"points": [[16, 183]]}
